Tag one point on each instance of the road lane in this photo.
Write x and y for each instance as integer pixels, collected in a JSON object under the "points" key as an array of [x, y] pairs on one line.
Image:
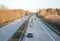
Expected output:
{"points": [[47, 32], [7, 31], [38, 32], [55, 36]]}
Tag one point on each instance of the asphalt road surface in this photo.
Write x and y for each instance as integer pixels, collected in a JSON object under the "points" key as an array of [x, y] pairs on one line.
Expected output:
{"points": [[8, 30], [40, 31]]}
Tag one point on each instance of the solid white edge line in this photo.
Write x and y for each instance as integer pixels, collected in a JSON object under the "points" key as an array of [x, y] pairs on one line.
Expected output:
{"points": [[47, 32]]}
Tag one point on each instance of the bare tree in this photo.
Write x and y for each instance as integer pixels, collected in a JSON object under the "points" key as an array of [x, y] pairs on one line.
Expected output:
{"points": [[3, 7]]}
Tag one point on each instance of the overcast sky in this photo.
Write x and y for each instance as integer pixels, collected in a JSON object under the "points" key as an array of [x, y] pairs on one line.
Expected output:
{"points": [[31, 5]]}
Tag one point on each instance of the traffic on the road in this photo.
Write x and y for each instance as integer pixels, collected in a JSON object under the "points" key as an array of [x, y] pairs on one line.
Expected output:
{"points": [[36, 30], [7, 31]]}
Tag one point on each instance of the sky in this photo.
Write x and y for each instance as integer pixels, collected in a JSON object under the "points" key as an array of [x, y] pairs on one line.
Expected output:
{"points": [[31, 5]]}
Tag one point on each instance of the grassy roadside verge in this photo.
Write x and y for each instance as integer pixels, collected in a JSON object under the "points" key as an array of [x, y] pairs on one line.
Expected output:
{"points": [[52, 27], [7, 22], [10, 21], [20, 32]]}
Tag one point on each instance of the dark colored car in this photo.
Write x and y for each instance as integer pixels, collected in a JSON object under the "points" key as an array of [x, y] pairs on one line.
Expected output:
{"points": [[31, 21], [30, 26], [31, 18], [29, 35], [34, 19]]}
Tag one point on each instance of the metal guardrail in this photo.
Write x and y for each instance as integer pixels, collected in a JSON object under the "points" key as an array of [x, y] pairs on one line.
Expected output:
{"points": [[52, 28], [22, 35], [23, 32]]}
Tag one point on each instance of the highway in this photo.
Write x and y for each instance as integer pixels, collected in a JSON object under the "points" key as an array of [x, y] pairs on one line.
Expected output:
{"points": [[40, 31], [8, 30]]}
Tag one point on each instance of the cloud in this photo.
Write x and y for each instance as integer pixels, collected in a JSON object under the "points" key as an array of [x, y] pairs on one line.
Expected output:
{"points": [[31, 4]]}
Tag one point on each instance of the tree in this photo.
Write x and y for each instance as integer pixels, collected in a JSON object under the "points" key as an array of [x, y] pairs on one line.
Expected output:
{"points": [[3, 7]]}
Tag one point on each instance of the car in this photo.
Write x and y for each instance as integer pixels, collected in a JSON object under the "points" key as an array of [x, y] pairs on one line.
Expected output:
{"points": [[31, 21], [34, 19], [31, 18], [30, 35], [30, 26]]}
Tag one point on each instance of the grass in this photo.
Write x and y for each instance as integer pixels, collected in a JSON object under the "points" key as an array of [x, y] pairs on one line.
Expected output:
{"points": [[51, 26], [7, 22], [19, 32], [3, 24]]}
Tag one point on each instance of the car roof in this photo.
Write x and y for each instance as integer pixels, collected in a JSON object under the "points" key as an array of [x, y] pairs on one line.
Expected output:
{"points": [[30, 32]]}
